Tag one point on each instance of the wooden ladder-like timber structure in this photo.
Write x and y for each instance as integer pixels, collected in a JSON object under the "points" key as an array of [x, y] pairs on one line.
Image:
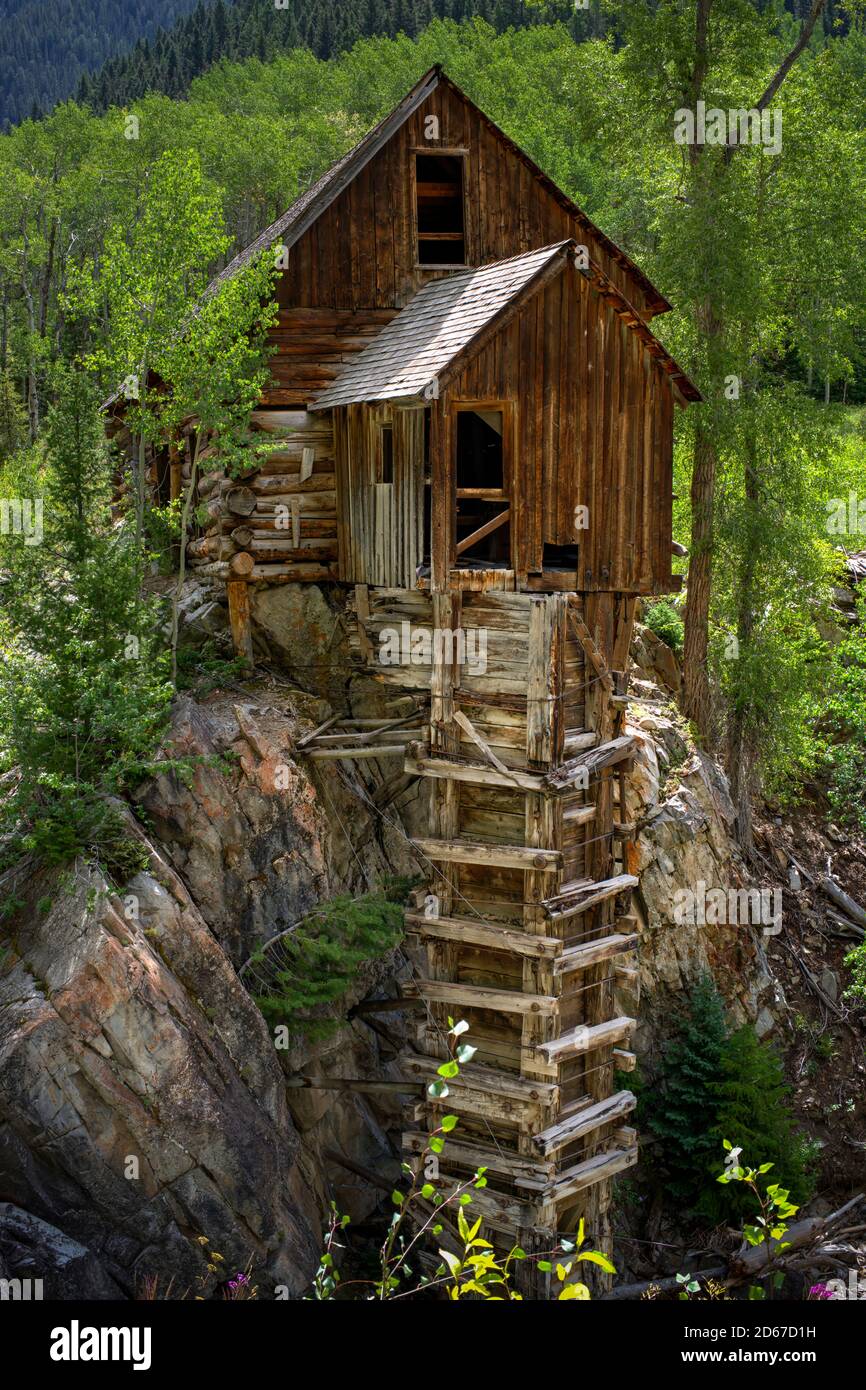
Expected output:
{"points": [[520, 936]]}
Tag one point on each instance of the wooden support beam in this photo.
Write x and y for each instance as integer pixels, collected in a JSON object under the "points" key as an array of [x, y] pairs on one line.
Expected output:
{"points": [[624, 1060], [584, 1122], [534, 1172], [587, 641], [593, 1170], [593, 761], [476, 774], [579, 743], [468, 728], [497, 856], [474, 932], [580, 1040], [572, 902], [507, 1001], [477, 1076], [483, 531], [589, 953], [578, 815], [239, 618], [376, 750]]}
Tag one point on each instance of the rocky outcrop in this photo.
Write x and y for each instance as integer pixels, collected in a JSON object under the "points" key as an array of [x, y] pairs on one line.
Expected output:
{"points": [[141, 1102], [680, 798], [258, 834]]}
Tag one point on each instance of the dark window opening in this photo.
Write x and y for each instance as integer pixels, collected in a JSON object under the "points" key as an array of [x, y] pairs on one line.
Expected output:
{"points": [[483, 518], [479, 449], [560, 557], [439, 203], [386, 454]]}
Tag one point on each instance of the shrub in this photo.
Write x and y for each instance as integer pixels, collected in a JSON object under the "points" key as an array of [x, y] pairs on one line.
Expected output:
{"points": [[680, 1110], [321, 957], [664, 620], [752, 1105], [716, 1086]]}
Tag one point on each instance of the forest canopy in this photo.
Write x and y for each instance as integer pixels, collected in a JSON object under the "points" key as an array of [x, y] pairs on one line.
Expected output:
{"points": [[761, 252]]}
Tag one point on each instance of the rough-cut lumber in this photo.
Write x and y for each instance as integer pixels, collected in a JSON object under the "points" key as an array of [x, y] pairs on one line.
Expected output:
{"points": [[476, 773], [584, 1122], [593, 1170], [478, 933], [376, 750], [580, 899], [467, 726], [477, 1076], [624, 1060], [501, 856], [593, 761], [588, 953], [582, 1039], [239, 617], [477, 997], [529, 1171]]}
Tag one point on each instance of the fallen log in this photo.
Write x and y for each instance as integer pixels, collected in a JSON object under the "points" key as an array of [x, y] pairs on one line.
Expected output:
{"points": [[750, 1261], [837, 895]]}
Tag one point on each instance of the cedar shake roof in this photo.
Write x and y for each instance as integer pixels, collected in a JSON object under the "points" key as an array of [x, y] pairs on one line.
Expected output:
{"points": [[305, 210], [449, 320]]}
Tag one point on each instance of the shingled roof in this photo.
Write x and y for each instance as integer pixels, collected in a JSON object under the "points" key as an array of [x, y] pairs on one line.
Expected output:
{"points": [[305, 210], [450, 319], [413, 350]]}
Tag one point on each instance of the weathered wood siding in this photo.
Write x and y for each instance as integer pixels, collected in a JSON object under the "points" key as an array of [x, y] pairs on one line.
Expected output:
{"points": [[358, 261], [380, 523], [593, 428]]}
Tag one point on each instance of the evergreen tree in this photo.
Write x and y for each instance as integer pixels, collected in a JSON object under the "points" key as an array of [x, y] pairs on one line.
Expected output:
{"points": [[83, 688], [682, 1110], [753, 1112]]}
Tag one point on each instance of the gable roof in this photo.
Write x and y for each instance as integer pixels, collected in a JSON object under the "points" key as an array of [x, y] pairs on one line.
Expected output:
{"points": [[449, 320], [409, 355], [306, 209]]}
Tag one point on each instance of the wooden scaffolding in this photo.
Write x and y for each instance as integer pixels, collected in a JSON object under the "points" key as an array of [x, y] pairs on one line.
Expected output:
{"points": [[520, 937]]}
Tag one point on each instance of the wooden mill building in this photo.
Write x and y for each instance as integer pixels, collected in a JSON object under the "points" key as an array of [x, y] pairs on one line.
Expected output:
{"points": [[475, 428]]}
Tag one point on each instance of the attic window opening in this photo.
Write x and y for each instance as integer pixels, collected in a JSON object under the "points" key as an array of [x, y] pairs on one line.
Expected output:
{"points": [[386, 453], [439, 209]]}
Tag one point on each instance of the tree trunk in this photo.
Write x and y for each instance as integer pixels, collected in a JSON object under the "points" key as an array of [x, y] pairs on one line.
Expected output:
{"points": [[696, 702], [741, 746]]}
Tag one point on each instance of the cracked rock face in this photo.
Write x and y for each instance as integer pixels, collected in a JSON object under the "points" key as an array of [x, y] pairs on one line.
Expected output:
{"points": [[685, 841], [141, 1102], [257, 840]]}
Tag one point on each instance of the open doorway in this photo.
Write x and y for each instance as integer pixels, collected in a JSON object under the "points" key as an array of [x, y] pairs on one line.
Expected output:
{"points": [[483, 513]]}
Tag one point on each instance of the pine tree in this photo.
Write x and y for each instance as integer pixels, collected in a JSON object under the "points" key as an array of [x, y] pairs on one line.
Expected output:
{"points": [[682, 1110], [83, 688], [753, 1112]]}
